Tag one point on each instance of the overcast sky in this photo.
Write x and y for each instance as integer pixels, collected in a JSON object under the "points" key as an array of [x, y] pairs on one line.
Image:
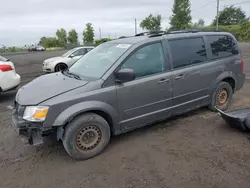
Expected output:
{"points": [[26, 21]]}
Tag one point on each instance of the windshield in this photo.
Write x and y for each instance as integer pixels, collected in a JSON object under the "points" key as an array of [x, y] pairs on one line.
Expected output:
{"points": [[68, 52], [96, 62]]}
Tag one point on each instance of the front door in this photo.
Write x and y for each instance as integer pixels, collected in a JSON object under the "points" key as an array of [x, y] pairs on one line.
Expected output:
{"points": [[149, 97]]}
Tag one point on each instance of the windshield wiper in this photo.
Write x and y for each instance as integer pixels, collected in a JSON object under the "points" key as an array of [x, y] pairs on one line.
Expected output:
{"points": [[71, 74]]}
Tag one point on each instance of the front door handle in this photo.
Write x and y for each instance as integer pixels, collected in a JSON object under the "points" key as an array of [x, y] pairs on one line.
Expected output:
{"points": [[179, 77], [163, 81]]}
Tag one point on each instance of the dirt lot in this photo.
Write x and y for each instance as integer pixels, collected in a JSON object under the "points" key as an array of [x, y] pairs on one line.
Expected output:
{"points": [[193, 151]]}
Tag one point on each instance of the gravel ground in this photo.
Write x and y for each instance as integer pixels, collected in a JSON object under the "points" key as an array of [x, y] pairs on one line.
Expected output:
{"points": [[195, 150]]}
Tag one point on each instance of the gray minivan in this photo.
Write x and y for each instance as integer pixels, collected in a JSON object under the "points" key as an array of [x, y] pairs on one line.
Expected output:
{"points": [[126, 84]]}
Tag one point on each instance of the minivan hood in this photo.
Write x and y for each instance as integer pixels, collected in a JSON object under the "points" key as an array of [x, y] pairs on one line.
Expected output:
{"points": [[46, 87]]}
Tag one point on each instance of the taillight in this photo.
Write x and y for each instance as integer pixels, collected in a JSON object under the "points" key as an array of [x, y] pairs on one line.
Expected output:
{"points": [[5, 68], [242, 64]]}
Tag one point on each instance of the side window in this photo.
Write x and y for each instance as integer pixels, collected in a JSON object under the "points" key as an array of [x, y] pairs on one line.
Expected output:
{"points": [[222, 46], [79, 52], [187, 52], [147, 60]]}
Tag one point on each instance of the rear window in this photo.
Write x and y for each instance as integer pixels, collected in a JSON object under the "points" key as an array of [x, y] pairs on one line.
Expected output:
{"points": [[222, 46], [187, 51]]}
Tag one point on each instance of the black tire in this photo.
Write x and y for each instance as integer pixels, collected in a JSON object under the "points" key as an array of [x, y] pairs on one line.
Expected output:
{"points": [[222, 87], [74, 136], [60, 66]]}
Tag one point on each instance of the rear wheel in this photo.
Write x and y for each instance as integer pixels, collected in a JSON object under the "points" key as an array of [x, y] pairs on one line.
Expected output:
{"points": [[60, 67], [222, 97], [86, 136]]}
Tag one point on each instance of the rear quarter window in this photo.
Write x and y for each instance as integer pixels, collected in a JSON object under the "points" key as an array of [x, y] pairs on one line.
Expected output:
{"points": [[222, 46]]}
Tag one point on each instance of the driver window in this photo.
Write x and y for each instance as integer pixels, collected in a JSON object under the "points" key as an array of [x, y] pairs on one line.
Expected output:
{"points": [[147, 60]]}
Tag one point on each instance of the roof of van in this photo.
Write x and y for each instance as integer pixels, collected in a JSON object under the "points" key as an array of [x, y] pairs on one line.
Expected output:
{"points": [[80, 47], [136, 39]]}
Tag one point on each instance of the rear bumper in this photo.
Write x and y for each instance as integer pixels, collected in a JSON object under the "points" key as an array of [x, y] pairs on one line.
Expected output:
{"points": [[10, 81], [240, 81]]}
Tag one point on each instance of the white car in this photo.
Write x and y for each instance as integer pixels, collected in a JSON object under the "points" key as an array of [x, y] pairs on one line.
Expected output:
{"points": [[40, 48], [56, 64], [36, 48], [9, 79]]}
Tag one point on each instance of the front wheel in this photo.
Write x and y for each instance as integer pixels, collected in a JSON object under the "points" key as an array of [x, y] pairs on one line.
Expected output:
{"points": [[86, 136], [222, 97], [60, 67]]}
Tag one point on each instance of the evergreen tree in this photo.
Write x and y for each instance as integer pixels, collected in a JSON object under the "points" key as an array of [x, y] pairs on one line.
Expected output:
{"points": [[181, 18], [88, 34], [73, 37]]}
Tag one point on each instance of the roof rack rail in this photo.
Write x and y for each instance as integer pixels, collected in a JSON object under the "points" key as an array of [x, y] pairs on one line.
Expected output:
{"points": [[182, 31], [141, 34], [123, 37], [150, 33], [160, 33], [189, 31]]}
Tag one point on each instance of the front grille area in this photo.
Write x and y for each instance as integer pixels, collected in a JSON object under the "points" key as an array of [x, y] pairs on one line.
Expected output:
{"points": [[18, 109]]}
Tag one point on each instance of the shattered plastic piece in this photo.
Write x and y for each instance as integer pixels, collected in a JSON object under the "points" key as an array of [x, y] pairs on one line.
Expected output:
{"points": [[237, 118]]}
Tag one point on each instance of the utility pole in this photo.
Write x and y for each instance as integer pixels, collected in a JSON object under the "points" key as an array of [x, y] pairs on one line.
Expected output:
{"points": [[135, 26], [100, 33], [217, 17]]}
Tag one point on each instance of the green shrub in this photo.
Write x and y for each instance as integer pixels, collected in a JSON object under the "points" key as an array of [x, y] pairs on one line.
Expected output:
{"points": [[245, 31], [11, 49], [100, 41], [233, 29], [241, 32], [71, 46]]}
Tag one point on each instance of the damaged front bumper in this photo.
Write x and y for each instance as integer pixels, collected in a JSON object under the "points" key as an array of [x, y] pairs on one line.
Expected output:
{"points": [[29, 132]]}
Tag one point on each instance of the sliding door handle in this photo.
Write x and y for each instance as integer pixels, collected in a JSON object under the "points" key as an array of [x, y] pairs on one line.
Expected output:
{"points": [[179, 77], [163, 81]]}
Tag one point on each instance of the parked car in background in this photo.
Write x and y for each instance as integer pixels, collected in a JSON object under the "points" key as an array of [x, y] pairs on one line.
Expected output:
{"points": [[40, 48], [36, 48], [56, 64], [9, 79], [129, 83]]}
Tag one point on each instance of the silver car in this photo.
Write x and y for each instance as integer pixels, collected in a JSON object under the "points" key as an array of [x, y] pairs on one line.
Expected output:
{"points": [[56, 64]]}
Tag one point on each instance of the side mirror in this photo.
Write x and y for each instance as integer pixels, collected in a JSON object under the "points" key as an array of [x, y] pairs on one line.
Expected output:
{"points": [[72, 55], [125, 75]]}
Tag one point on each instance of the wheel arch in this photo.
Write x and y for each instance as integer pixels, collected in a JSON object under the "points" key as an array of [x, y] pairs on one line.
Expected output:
{"points": [[228, 77], [102, 109], [58, 63]]}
